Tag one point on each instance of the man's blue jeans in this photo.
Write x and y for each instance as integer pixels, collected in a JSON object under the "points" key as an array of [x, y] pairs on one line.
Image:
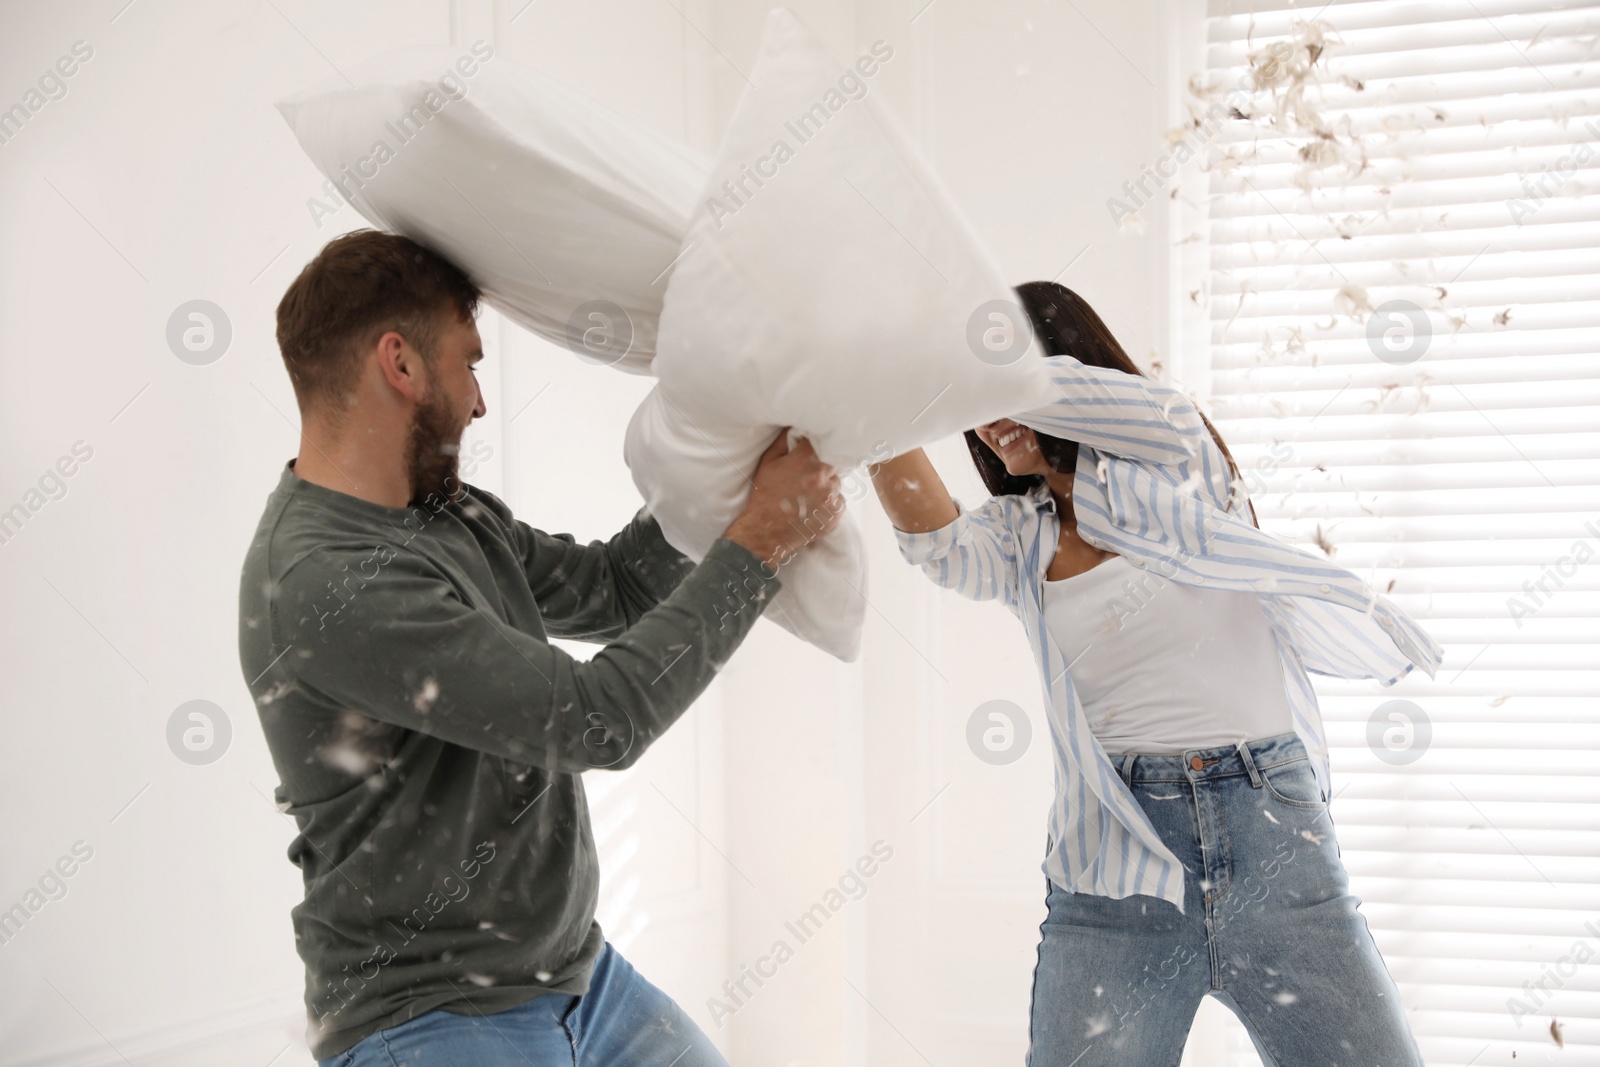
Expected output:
{"points": [[1269, 928], [622, 1021]]}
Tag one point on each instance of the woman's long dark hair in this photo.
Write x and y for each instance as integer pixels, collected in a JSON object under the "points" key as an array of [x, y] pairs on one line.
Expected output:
{"points": [[1067, 326]]}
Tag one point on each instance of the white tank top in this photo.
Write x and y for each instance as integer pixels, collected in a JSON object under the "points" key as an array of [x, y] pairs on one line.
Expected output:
{"points": [[1162, 667]]}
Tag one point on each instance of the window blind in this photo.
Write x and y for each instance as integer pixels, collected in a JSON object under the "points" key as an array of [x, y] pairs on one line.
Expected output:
{"points": [[1403, 295]]}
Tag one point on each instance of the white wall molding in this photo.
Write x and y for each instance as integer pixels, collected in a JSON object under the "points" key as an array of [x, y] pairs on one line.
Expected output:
{"points": [[191, 1039]]}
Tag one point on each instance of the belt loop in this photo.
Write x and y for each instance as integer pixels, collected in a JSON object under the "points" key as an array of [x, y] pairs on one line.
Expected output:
{"points": [[1126, 770], [1250, 765]]}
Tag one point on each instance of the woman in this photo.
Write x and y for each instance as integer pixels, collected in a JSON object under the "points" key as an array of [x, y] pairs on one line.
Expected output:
{"points": [[1190, 846]]}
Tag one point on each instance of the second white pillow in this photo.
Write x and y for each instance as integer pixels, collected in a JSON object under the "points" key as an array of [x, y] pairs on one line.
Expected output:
{"points": [[828, 283]]}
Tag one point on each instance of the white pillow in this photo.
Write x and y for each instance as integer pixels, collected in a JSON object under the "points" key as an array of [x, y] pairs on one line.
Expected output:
{"points": [[838, 296], [548, 200], [692, 477], [844, 296]]}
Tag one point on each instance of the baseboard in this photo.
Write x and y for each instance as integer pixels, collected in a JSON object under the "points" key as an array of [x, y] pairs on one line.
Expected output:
{"points": [[170, 1041]]}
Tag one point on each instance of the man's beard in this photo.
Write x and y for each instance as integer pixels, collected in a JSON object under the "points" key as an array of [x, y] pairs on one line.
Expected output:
{"points": [[433, 450]]}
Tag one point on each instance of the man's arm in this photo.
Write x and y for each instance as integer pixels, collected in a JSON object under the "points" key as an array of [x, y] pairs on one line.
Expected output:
{"points": [[596, 591], [406, 648], [402, 645]]}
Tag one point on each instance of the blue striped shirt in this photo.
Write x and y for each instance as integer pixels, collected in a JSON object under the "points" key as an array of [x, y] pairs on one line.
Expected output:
{"points": [[1152, 485]]}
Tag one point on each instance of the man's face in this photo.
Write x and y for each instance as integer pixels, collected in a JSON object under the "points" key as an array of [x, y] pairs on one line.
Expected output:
{"points": [[451, 401]]}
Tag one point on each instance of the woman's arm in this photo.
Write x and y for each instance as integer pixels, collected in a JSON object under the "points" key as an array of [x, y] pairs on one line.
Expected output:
{"points": [[971, 553], [1120, 414], [912, 494]]}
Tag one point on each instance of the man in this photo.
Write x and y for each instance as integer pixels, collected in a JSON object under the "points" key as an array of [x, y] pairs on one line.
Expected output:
{"points": [[393, 627]]}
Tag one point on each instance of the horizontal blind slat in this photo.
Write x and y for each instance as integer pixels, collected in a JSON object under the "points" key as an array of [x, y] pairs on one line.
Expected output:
{"points": [[1463, 181]]}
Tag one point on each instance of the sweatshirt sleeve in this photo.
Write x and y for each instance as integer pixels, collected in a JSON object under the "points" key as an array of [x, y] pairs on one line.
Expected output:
{"points": [[595, 591], [1118, 413], [409, 648]]}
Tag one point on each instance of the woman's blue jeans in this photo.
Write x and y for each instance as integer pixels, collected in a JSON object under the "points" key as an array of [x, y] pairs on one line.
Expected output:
{"points": [[622, 1021], [1269, 928]]}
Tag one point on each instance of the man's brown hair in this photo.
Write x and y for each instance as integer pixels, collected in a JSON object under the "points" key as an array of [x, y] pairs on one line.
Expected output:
{"points": [[360, 286]]}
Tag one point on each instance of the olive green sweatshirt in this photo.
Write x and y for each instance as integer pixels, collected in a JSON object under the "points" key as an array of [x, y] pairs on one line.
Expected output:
{"points": [[431, 742]]}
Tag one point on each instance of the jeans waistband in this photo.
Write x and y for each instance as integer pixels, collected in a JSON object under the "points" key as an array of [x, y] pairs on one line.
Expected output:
{"points": [[1247, 757]]}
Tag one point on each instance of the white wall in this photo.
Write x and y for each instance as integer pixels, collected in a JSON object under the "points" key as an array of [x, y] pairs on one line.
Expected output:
{"points": [[165, 175]]}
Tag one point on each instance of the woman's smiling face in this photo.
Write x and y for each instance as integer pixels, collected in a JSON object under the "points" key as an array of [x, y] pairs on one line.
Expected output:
{"points": [[1015, 445]]}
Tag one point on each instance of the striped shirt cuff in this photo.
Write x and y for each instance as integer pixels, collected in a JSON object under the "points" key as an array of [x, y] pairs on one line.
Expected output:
{"points": [[920, 548]]}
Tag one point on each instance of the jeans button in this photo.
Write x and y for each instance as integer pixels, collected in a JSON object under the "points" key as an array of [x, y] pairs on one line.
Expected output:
{"points": [[1196, 762]]}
